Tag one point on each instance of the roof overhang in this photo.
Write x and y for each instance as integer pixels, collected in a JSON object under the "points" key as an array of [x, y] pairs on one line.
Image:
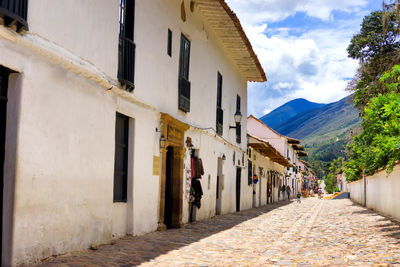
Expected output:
{"points": [[228, 29], [267, 150], [298, 147], [302, 154], [292, 140]]}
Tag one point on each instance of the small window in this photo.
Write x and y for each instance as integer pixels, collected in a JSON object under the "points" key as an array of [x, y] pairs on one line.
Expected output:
{"points": [[121, 158], [220, 112], [250, 173], [169, 44], [238, 125], [184, 58], [184, 84]]}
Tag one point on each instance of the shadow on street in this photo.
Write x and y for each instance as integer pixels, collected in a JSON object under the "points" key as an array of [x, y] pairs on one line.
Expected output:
{"points": [[144, 248], [388, 226]]}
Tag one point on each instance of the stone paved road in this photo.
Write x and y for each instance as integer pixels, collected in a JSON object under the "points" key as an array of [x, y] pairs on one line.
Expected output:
{"points": [[315, 232]]}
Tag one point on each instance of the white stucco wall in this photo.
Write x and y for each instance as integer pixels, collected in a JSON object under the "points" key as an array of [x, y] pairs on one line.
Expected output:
{"points": [[65, 163], [62, 152], [88, 29], [382, 192], [207, 58], [210, 149]]}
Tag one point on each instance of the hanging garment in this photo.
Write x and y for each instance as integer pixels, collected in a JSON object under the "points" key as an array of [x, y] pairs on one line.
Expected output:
{"points": [[198, 168], [198, 192], [191, 167]]}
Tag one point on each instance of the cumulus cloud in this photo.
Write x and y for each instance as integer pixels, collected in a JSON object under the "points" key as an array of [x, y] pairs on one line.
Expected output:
{"points": [[258, 11], [300, 62]]}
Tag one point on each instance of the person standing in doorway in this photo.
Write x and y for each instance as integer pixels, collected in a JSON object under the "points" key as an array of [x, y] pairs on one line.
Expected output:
{"points": [[288, 191]]}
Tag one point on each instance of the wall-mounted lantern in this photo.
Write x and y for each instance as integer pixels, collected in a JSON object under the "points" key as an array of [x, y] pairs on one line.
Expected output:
{"points": [[238, 118], [163, 141]]}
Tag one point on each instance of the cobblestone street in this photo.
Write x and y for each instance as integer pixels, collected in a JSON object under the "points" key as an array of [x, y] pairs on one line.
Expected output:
{"points": [[315, 232]]}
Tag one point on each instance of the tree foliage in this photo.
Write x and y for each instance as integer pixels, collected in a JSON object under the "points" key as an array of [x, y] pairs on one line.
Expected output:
{"points": [[378, 145], [377, 48], [335, 167]]}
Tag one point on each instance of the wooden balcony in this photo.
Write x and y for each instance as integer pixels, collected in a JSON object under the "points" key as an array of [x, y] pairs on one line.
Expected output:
{"points": [[126, 63], [14, 13]]}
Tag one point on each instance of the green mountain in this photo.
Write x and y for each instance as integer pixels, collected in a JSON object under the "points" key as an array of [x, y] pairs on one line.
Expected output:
{"points": [[322, 124], [288, 110], [324, 131]]}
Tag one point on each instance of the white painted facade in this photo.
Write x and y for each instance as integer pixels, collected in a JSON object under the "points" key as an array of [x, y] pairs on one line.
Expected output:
{"points": [[265, 169], [382, 192], [61, 112], [280, 143]]}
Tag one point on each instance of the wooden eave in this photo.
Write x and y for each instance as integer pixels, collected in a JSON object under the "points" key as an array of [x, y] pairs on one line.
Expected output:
{"points": [[267, 150], [292, 140], [302, 154], [228, 29]]}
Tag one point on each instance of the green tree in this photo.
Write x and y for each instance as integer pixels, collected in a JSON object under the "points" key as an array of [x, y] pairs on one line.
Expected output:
{"points": [[378, 146], [377, 48], [335, 167]]}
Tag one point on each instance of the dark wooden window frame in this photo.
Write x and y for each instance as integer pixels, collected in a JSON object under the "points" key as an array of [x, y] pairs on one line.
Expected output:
{"points": [[121, 186], [238, 125], [127, 47], [169, 43], [250, 172], [184, 83], [220, 112]]}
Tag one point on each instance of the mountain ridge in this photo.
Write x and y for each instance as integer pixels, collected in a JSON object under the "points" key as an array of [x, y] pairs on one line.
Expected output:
{"points": [[289, 110], [324, 131]]}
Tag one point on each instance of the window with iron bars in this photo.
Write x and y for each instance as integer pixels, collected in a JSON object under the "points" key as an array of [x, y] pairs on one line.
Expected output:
{"points": [[127, 47]]}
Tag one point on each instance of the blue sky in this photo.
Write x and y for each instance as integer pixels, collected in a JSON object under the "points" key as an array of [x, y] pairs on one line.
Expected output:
{"points": [[302, 47]]}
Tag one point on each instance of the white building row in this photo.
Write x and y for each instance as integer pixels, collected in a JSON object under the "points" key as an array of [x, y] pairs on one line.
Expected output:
{"points": [[106, 107]]}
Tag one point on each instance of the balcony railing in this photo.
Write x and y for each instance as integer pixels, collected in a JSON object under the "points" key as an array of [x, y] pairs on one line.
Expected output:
{"points": [[184, 95], [220, 121], [126, 63], [14, 12]]}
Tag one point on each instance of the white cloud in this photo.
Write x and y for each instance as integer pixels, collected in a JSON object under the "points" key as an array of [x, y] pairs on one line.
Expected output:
{"points": [[307, 63], [312, 66], [259, 11]]}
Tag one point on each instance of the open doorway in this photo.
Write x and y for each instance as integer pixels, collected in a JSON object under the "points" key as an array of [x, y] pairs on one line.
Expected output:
{"points": [[219, 188], [238, 185]]}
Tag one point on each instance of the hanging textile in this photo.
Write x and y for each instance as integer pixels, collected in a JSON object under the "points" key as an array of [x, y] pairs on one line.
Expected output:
{"points": [[198, 170]]}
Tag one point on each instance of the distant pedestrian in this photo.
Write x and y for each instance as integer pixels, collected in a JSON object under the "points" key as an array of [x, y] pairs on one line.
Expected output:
{"points": [[319, 193], [288, 192], [298, 198]]}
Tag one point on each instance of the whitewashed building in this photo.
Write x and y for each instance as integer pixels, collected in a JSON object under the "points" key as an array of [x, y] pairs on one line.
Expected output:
{"points": [[103, 105], [266, 168], [287, 146]]}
